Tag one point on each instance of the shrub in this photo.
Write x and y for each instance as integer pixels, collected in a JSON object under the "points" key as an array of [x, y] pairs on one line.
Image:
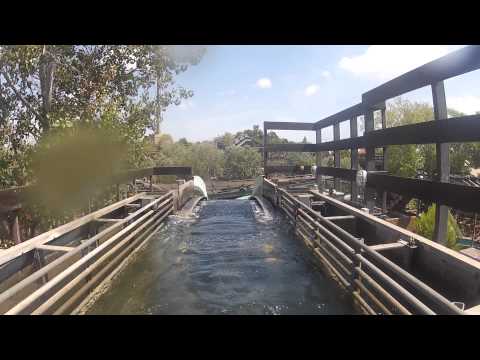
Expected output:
{"points": [[425, 225]]}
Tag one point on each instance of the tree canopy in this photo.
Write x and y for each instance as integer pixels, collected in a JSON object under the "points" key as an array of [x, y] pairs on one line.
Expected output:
{"points": [[407, 160], [53, 88]]}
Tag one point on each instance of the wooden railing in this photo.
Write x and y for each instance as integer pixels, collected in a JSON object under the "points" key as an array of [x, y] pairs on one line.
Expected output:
{"points": [[441, 132]]}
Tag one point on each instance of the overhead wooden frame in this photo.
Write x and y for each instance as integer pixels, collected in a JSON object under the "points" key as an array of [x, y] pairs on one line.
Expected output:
{"points": [[454, 195]]}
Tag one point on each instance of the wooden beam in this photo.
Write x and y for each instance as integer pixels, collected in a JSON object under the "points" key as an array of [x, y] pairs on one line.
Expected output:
{"points": [[454, 64], [137, 206], [281, 125], [295, 169], [107, 220], [343, 115], [291, 147], [55, 248], [461, 197], [173, 170], [345, 174], [459, 129]]}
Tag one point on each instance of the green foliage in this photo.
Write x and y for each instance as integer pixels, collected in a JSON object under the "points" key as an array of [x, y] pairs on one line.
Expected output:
{"points": [[403, 160], [50, 93], [406, 160], [345, 159], [50, 88], [242, 163], [425, 225]]}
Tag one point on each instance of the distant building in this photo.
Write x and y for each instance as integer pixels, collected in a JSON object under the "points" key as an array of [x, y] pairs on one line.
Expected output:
{"points": [[239, 140], [243, 140]]}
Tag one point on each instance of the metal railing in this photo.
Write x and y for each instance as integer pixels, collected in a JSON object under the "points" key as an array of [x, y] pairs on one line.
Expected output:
{"points": [[378, 284], [57, 284]]}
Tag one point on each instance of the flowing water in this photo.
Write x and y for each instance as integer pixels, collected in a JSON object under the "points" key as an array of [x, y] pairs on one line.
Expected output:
{"points": [[229, 259]]}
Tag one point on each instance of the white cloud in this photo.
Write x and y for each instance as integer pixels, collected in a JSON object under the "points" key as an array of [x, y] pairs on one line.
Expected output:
{"points": [[388, 61], [264, 83], [311, 90], [326, 74], [467, 104]]}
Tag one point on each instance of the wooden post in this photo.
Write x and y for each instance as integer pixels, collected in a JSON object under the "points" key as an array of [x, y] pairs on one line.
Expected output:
{"points": [[319, 160], [370, 159], [40, 263], [443, 162], [384, 126], [15, 230], [354, 158], [151, 183], [265, 154], [336, 154]]}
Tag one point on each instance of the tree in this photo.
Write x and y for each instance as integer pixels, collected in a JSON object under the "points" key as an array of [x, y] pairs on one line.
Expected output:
{"points": [[242, 162], [54, 87], [53, 92], [406, 160], [183, 141]]}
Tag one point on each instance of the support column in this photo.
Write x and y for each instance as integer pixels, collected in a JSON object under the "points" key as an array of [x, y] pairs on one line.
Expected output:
{"points": [[15, 230], [443, 163], [265, 154], [336, 154], [319, 161], [370, 159], [354, 158], [384, 126]]}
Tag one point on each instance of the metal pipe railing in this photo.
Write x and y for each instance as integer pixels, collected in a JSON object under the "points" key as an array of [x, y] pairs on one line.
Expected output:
{"points": [[52, 301], [353, 248], [372, 297], [380, 290], [412, 300], [416, 283], [358, 247], [81, 250]]}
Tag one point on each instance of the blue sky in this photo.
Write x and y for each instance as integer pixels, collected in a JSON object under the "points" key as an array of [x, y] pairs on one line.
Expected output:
{"points": [[236, 87]]}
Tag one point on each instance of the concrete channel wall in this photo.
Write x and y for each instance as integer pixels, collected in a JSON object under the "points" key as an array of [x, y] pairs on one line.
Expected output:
{"points": [[410, 269], [449, 271]]}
